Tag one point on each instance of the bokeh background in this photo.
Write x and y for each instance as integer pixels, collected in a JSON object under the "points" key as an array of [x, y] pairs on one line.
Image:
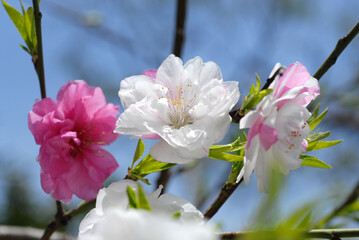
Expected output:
{"points": [[103, 42]]}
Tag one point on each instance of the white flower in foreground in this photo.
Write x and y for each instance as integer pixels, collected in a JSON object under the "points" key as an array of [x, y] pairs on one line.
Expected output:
{"points": [[278, 126], [142, 225], [186, 106], [114, 198]]}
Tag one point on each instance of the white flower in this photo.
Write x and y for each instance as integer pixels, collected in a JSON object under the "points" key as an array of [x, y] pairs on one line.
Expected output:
{"points": [[114, 198], [186, 106], [278, 126], [142, 225]]}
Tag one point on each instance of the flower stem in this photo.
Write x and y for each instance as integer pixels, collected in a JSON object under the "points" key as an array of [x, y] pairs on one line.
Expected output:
{"points": [[317, 233], [37, 58]]}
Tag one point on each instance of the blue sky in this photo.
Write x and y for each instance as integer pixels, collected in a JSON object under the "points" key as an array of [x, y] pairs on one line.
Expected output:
{"points": [[242, 37]]}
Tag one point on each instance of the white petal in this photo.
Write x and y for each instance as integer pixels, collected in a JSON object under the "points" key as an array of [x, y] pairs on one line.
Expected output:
{"points": [[137, 117], [134, 89], [163, 152], [188, 211], [170, 73]]}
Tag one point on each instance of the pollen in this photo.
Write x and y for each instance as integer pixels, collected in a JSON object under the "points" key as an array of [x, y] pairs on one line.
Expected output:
{"points": [[180, 101]]}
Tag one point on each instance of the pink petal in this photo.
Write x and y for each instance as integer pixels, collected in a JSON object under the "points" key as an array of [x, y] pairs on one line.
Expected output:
{"points": [[295, 75], [59, 190], [254, 130], [100, 128], [150, 136], [90, 171], [151, 73], [267, 136]]}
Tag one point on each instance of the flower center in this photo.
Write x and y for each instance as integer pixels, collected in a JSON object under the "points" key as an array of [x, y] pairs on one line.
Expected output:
{"points": [[295, 138], [180, 103]]}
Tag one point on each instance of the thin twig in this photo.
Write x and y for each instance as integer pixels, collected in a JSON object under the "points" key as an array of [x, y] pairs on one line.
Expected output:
{"points": [[226, 191], [38, 58], [339, 48], [165, 175], [317, 233], [59, 221], [62, 218]]}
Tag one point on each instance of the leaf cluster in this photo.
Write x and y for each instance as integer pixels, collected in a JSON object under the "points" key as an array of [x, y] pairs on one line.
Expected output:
{"points": [[25, 24], [254, 97], [314, 142], [138, 201]]}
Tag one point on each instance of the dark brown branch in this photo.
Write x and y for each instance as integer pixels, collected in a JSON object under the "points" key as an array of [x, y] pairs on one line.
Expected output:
{"points": [[38, 58], [179, 34], [62, 218], [339, 48], [332, 234], [224, 194]]}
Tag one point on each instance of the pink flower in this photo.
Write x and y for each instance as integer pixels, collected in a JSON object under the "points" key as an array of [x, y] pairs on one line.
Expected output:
{"points": [[71, 132], [278, 127]]}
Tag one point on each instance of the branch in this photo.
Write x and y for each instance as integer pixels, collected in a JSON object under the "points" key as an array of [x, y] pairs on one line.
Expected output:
{"points": [[179, 34], [317, 233], [339, 48], [165, 175], [37, 57], [226, 191], [61, 218]]}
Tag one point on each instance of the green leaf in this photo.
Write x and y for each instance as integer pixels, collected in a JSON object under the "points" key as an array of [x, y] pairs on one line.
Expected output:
{"points": [[225, 156], [25, 48], [311, 161], [231, 147], [142, 200], [145, 180], [31, 17], [252, 90], [258, 83], [139, 151], [317, 120], [316, 136], [22, 8], [322, 144], [16, 18], [176, 215], [131, 197], [235, 170], [314, 113], [298, 219], [351, 208], [149, 165]]}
